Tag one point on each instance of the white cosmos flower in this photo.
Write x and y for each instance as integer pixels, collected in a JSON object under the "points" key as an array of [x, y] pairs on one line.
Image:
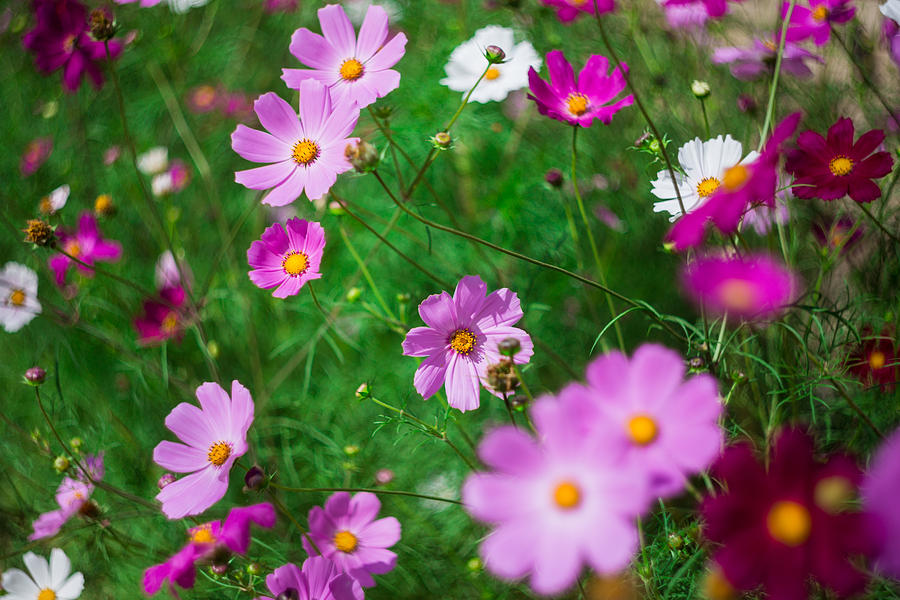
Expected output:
{"points": [[55, 200], [891, 9], [153, 161], [182, 6], [18, 296], [704, 165], [467, 63], [356, 10], [47, 582]]}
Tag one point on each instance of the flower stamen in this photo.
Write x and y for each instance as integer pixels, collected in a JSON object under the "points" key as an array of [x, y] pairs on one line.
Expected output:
{"points": [[840, 165], [219, 453], [577, 104], [203, 534], [492, 74], [820, 13], [305, 151], [17, 298], [463, 341], [642, 429], [46, 594], [708, 186], [351, 69], [295, 263], [567, 495], [789, 522], [345, 541], [877, 359]]}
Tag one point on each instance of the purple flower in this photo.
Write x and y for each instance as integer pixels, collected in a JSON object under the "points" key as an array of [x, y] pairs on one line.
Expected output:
{"points": [[319, 579], [214, 436], [287, 257], [307, 154], [163, 318], [759, 59], [86, 245], [461, 338], [578, 102], [205, 541], [347, 533], [880, 490], [569, 10], [71, 497], [816, 21], [354, 70], [689, 15]]}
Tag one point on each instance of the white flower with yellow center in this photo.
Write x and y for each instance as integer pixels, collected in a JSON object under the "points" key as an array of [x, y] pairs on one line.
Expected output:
{"points": [[704, 165], [47, 581], [467, 63], [18, 296]]}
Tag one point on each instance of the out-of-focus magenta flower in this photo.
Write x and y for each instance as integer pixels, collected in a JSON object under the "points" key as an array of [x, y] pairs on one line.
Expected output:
{"points": [[168, 274], [880, 490], [236, 105], [72, 497], [830, 168], [202, 99], [714, 8], [687, 15], [569, 10], [61, 40], [205, 542], [838, 234], [891, 28], [35, 154], [876, 361], [779, 527], [273, 6], [287, 256], [85, 244], [759, 59], [578, 102], [816, 20], [319, 579], [752, 287], [163, 318], [111, 155]]}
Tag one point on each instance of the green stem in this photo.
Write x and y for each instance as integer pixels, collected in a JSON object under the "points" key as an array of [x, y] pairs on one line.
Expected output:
{"points": [[371, 490], [862, 72], [139, 289], [883, 229], [773, 87], [283, 509], [705, 117], [223, 250], [366, 273]]}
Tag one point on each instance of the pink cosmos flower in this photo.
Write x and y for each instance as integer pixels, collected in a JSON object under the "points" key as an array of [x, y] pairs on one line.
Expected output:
{"points": [[752, 287], [144, 3], [163, 318], [307, 154], [355, 70], [319, 579], [880, 490], [207, 541], [347, 533], [759, 59], [578, 102], [714, 8], [569, 10], [890, 30], [287, 256], [36, 153], [86, 245], [214, 436], [689, 15], [554, 504], [72, 496], [816, 21], [461, 339]]}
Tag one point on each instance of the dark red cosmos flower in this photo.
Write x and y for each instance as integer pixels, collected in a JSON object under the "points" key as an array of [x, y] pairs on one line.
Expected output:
{"points": [[829, 168], [875, 361], [163, 317], [839, 233], [781, 527], [60, 40]]}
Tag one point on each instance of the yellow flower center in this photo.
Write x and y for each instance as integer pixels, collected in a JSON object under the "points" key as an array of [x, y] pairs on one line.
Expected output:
{"points": [[68, 47], [170, 323], [345, 541], [577, 104], [463, 341], [205, 95], [877, 359], [305, 152], [492, 73], [45, 206], [567, 495], [17, 298], [103, 203], [203, 535], [577, 2], [789, 522], [737, 294], [707, 186], [46, 594], [642, 429], [735, 177], [219, 453], [351, 69], [73, 248], [840, 166], [820, 13], [295, 263]]}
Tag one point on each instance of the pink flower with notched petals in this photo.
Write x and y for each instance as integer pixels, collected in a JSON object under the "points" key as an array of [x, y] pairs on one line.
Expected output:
{"points": [[759, 59], [569, 10], [461, 339], [214, 436], [319, 579], [347, 533], [287, 256], [355, 70], [816, 20], [86, 245], [307, 153], [578, 102]]}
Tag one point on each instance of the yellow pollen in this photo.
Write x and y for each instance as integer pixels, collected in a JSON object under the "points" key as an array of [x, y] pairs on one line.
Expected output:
{"points": [[305, 152], [567, 495], [837, 239], [577, 2], [203, 535], [73, 248], [789, 522], [351, 69], [17, 298], [103, 203], [45, 206], [821, 13], [577, 104], [877, 359], [708, 186], [169, 323], [463, 341], [735, 177], [345, 541], [832, 494], [770, 45], [492, 73], [69, 43], [295, 263], [840, 166], [737, 294], [219, 453], [46, 594], [642, 429]]}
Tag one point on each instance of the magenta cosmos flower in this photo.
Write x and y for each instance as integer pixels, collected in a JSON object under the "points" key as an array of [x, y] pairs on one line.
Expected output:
{"points": [[816, 20], [163, 318], [61, 40], [205, 542], [461, 339], [319, 579], [880, 491], [347, 532], [569, 10], [86, 245], [830, 168], [781, 526], [752, 287], [554, 504], [307, 154], [214, 436], [647, 415], [36, 153], [714, 8], [578, 102], [355, 70], [73, 497], [759, 59], [287, 256]]}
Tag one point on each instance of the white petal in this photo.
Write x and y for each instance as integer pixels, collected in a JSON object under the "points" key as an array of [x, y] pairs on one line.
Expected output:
{"points": [[60, 567], [19, 585], [39, 569], [72, 588]]}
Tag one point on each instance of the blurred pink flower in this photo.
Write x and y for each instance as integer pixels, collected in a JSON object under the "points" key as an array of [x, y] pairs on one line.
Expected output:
{"points": [[569, 10], [319, 579], [71, 497], [287, 256], [880, 490], [35, 154], [816, 20], [85, 244], [163, 318], [759, 59], [202, 98]]}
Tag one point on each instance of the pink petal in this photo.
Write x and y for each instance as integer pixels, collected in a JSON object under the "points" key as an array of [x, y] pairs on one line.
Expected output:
{"points": [[468, 298], [319, 179], [193, 494], [372, 33], [179, 458], [190, 425], [439, 312], [363, 509], [315, 106], [288, 190], [269, 176], [259, 146], [383, 533], [462, 384], [389, 54], [278, 118], [338, 30], [290, 286], [313, 50], [424, 341], [430, 375]]}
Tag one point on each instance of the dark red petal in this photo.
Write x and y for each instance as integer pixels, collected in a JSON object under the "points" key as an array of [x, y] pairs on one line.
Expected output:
{"points": [[864, 190], [840, 136], [866, 144]]}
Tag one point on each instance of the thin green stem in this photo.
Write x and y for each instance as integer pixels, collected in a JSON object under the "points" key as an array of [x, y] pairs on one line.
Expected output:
{"points": [[773, 87], [365, 271], [883, 229], [862, 72], [139, 289], [705, 117], [372, 490]]}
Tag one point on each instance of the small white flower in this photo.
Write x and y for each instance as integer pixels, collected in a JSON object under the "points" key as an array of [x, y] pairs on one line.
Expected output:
{"points": [[356, 10], [704, 165], [891, 10], [47, 582], [182, 6], [55, 200], [467, 63], [153, 161], [18, 296], [162, 184]]}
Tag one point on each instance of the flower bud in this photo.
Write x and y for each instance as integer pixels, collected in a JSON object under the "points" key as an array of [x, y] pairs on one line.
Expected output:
{"points": [[255, 478], [218, 569], [675, 541], [362, 392], [746, 103], [61, 464], [383, 111], [35, 375], [351, 449], [165, 480], [494, 54], [442, 140], [403, 298], [554, 177], [509, 346], [700, 89], [501, 377], [697, 363], [89, 509], [383, 476], [288, 594], [39, 233], [353, 294], [518, 401], [102, 25], [75, 443], [474, 564], [645, 139], [363, 156], [254, 568]]}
